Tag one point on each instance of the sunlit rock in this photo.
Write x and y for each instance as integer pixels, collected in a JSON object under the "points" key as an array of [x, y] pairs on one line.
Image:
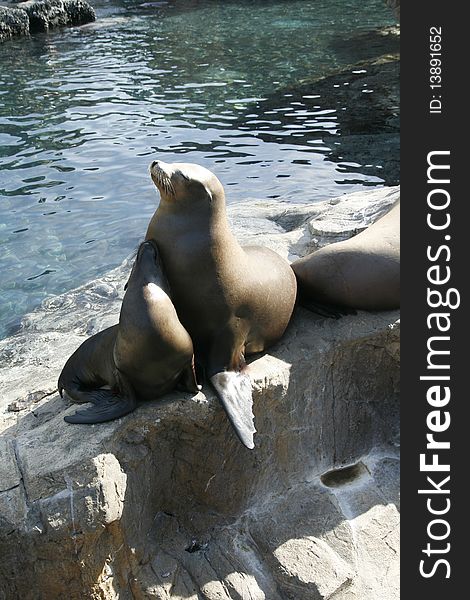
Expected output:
{"points": [[166, 503]]}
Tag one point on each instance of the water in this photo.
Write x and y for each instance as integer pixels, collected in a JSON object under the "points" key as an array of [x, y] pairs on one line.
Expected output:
{"points": [[83, 111]]}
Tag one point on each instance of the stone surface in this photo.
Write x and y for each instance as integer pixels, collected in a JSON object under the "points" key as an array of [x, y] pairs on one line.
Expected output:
{"points": [[36, 16], [395, 5], [50, 14], [13, 22], [166, 503], [294, 230]]}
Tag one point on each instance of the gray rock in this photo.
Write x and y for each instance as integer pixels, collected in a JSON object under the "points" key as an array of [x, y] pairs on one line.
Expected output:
{"points": [[166, 503], [395, 5], [33, 17], [50, 14], [45, 15], [13, 22], [294, 230]]}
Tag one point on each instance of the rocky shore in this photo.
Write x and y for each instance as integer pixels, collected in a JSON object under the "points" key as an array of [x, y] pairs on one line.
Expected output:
{"points": [[33, 17], [165, 503]]}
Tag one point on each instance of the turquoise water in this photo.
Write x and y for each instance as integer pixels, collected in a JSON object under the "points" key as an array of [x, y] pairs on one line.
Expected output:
{"points": [[83, 111]]}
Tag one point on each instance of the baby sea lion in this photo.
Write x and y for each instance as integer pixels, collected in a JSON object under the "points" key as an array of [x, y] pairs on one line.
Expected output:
{"points": [[233, 301], [362, 272], [143, 357]]}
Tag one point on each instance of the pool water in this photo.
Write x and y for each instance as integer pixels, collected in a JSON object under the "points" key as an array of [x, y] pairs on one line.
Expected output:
{"points": [[83, 111]]}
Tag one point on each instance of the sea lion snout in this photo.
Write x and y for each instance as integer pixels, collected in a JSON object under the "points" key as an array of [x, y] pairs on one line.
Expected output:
{"points": [[147, 266], [157, 165], [161, 176], [147, 248]]}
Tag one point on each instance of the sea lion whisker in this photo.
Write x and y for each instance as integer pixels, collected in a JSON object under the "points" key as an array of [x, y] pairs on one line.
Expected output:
{"points": [[171, 189], [168, 186], [163, 181]]}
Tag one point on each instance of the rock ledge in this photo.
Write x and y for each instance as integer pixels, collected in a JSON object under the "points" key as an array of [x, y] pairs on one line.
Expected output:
{"points": [[166, 503]]}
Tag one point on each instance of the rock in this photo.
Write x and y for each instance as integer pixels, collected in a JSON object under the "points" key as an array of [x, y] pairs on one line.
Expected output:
{"points": [[166, 503], [395, 5], [367, 104], [45, 15], [33, 17], [367, 46], [79, 12], [31, 398], [294, 230], [50, 14], [13, 22]]}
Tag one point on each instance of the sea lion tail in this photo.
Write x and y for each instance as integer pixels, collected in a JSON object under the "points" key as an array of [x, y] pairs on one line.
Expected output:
{"points": [[234, 391]]}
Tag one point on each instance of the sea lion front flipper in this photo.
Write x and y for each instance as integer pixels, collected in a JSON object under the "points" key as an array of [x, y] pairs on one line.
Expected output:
{"points": [[234, 391], [107, 405]]}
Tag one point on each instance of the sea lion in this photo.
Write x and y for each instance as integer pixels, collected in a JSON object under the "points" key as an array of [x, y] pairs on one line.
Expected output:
{"points": [[362, 272], [145, 356], [233, 301]]}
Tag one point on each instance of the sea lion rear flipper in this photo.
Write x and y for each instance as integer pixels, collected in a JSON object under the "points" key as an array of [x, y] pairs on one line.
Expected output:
{"points": [[234, 391], [83, 396], [107, 405]]}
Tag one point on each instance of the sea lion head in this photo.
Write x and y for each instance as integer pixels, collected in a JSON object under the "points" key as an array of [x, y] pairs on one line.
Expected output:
{"points": [[186, 183], [147, 267]]}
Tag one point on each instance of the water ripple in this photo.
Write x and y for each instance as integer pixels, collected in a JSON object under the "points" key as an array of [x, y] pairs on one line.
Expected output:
{"points": [[83, 110]]}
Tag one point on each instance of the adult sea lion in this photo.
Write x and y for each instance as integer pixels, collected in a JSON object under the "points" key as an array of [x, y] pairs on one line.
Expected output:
{"points": [[143, 357], [232, 300], [362, 272]]}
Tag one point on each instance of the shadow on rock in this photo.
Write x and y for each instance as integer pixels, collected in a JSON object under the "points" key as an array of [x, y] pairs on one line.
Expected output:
{"points": [[351, 116], [367, 45]]}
